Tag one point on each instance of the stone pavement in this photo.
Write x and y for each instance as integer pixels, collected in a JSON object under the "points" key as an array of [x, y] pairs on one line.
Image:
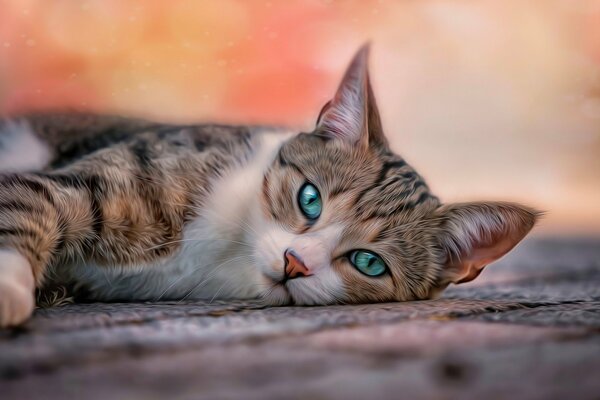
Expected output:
{"points": [[529, 328]]}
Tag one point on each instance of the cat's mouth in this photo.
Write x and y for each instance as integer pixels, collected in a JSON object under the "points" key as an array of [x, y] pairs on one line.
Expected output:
{"points": [[278, 292]]}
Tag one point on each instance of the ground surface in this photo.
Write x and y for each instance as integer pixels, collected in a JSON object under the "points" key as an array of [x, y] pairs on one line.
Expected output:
{"points": [[529, 328]]}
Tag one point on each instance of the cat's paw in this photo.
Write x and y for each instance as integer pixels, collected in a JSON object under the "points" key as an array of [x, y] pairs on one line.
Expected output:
{"points": [[17, 286]]}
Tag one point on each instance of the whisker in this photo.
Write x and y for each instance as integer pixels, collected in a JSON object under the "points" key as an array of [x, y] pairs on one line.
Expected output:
{"points": [[194, 269], [211, 274], [246, 228], [199, 241], [218, 291]]}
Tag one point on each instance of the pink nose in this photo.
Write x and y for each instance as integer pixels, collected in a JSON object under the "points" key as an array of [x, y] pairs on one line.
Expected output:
{"points": [[294, 266]]}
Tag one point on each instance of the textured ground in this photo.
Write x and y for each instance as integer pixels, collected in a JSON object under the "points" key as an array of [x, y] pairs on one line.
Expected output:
{"points": [[529, 328]]}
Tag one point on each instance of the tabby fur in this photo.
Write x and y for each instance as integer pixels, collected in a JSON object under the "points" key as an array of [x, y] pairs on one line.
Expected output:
{"points": [[123, 209]]}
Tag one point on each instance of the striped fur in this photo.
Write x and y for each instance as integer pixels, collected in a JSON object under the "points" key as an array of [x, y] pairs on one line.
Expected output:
{"points": [[125, 209]]}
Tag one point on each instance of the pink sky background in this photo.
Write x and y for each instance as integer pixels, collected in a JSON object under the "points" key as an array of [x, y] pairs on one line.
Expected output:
{"points": [[488, 100]]}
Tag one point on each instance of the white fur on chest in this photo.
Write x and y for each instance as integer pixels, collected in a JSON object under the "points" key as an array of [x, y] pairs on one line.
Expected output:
{"points": [[215, 260]]}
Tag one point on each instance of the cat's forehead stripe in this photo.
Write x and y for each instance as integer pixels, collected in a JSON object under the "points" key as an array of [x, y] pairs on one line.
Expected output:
{"points": [[396, 190], [286, 163]]}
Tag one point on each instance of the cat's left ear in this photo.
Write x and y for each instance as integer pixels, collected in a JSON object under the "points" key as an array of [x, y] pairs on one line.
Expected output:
{"points": [[352, 114], [476, 234]]}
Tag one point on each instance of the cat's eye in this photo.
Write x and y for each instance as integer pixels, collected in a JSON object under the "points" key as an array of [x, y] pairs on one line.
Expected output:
{"points": [[367, 262], [309, 200]]}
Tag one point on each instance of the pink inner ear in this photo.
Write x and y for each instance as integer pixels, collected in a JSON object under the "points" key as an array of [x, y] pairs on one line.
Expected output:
{"points": [[323, 111], [480, 255], [345, 116], [479, 233]]}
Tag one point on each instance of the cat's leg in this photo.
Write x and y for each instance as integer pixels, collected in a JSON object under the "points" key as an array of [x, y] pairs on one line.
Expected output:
{"points": [[123, 207], [16, 288], [37, 222], [44, 220], [47, 219]]}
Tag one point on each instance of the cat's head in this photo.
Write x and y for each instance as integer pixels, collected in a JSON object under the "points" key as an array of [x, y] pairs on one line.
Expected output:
{"points": [[345, 220]]}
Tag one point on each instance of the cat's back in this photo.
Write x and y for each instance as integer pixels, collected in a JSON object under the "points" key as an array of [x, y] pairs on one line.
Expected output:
{"points": [[57, 139]]}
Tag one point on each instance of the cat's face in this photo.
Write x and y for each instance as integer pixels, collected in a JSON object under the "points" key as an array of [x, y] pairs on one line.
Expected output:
{"points": [[357, 219], [344, 220]]}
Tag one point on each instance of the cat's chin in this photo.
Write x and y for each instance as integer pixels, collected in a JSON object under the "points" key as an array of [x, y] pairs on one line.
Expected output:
{"points": [[277, 295]]}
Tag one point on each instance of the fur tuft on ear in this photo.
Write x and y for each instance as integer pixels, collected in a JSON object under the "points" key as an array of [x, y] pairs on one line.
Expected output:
{"points": [[352, 114], [477, 234]]}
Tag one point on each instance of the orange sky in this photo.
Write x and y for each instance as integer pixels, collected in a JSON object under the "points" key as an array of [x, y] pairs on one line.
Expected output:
{"points": [[497, 99]]}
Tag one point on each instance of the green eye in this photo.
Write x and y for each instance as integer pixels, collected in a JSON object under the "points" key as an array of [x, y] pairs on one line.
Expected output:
{"points": [[309, 201], [367, 262]]}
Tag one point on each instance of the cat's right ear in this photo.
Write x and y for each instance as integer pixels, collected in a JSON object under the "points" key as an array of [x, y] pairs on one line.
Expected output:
{"points": [[476, 234], [352, 114]]}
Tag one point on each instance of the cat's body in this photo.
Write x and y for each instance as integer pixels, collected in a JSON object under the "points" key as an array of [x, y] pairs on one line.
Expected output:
{"points": [[209, 210], [123, 209]]}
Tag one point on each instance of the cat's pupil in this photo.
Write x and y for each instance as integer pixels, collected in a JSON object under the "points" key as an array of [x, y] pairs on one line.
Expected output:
{"points": [[367, 262], [309, 201]]}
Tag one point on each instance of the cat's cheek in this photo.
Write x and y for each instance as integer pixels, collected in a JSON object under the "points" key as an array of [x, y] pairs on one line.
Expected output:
{"points": [[326, 287], [273, 294]]}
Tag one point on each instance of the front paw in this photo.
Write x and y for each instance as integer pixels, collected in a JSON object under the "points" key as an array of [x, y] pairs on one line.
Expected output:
{"points": [[17, 286]]}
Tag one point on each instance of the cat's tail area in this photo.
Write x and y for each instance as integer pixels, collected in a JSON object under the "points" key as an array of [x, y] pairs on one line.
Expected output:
{"points": [[21, 150]]}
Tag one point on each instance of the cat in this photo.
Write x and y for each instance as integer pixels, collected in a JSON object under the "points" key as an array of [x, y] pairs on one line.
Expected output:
{"points": [[122, 209]]}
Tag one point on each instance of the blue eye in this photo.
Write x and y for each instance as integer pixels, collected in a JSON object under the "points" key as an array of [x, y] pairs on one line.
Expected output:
{"points": [[309, 201], [367, 262]]}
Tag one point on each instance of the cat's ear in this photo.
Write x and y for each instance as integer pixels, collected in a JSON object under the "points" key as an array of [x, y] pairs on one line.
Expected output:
{"points": [[352, 114], [476, 234]]}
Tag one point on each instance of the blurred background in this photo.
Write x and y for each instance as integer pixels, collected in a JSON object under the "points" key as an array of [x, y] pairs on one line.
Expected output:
{"points": [[488, 100]]}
